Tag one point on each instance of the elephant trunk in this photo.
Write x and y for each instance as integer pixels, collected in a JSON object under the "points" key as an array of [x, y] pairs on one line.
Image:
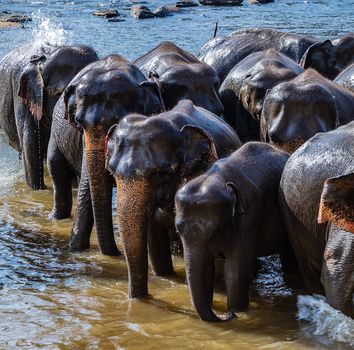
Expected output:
{"points": [[101, 194], [133, 211], [197, 263]]}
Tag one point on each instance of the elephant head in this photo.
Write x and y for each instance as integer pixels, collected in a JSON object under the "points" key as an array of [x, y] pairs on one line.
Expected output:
{"points": [[149, 158], [197, 82], [330, 57], [255, 87], [206, 210], [106, 92], [41, 83], [292, 113]]}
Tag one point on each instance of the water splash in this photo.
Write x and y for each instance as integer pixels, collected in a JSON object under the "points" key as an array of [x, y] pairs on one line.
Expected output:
{"points": [[49, 32], [324, 322]]}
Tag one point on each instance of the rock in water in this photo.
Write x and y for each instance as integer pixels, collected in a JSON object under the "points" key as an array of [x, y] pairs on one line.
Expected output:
{"points": [[221, 2], [186, 3], [141, 12], [106, 13]]}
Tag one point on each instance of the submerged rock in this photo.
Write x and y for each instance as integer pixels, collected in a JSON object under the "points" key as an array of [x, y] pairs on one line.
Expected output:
{"points": [[106, 13], [260, 1], [4, 25], [221, 2], [14, 18], [164, 11], [186, 3], [141, 12]]}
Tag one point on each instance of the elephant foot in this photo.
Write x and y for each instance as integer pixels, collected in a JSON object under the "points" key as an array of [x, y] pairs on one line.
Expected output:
{"points": [[166, 270], [56, 214], [111, 251]]}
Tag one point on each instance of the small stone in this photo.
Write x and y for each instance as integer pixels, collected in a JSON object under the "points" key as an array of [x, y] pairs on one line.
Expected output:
{"points": [[106, 13], [186, 3], [162, 11], [141, 12]]}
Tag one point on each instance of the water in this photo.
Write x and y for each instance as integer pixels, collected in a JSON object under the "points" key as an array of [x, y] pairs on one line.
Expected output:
{"points": [[50, 299]]}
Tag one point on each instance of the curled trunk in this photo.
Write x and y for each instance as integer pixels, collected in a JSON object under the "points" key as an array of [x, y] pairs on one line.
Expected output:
{"points": [[101, 194], [133, 211]]}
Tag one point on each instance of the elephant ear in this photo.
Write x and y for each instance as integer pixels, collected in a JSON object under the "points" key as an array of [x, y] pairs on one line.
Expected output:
{"points": [[70, 104], [31, 87], [337, 202], [153, 103], [238, 205], [200, 150], [318, 56]]}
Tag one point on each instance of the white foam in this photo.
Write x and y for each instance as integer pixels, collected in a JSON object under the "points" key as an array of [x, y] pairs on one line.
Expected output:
{"points": [[328, 324], [49, 32]]}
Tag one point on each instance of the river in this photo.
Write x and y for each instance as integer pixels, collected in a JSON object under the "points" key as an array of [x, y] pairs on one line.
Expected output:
{"points": [[51, 299]]}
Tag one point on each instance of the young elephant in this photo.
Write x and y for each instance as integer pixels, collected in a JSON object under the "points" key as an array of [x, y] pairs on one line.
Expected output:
{"points": [[98, 97], [231, 210], [180, 76], [296, 110], [243, 91], [32, 79], [317, 203], [150, 158]]}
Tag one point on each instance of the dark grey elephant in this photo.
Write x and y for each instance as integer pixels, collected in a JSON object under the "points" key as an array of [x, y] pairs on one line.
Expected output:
{"points": [[98, 97], [150, 158], [243, 90], [180, 75], [296, 110], [225, 52], [33, 78], [317, 203], [330, 57], [232, 211], [346, 78]]}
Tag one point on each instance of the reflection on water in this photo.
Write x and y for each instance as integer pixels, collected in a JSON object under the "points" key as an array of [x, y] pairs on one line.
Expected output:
{"points": [[51, 299]]}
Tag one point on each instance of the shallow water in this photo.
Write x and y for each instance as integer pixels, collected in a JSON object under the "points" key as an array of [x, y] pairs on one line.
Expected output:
{"points": [[51, 299]]}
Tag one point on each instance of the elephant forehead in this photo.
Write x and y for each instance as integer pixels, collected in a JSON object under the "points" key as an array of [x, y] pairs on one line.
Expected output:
{"points": [[192, 73]]}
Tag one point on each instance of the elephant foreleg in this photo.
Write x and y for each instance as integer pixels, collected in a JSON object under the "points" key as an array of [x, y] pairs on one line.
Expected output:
{"points": [[159, 250]]}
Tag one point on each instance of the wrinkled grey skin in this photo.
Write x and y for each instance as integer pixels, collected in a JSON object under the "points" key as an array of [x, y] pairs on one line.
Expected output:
{"points": [[231, 211], [243, 91], [346, 78], [150, 158], [325, 252], [180, 75], [224, 53], [33, 78], [329, 58], [296, 110], [98, 97]]}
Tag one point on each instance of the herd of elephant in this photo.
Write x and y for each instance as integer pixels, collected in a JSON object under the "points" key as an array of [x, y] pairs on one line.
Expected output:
{"points": [[243, 152]]}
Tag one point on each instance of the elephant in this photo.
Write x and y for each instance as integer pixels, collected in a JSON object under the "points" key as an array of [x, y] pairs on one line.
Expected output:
{"points": [[296, 110], [232, 211], [243, 90], [33, 78], [98, 97], [150, 158], [225, 52], [346, 78], [317, 207], [180, 75], [330, 57]]}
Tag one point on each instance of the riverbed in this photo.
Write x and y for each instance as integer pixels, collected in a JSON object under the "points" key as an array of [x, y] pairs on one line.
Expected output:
{"points": [[52, 299]]}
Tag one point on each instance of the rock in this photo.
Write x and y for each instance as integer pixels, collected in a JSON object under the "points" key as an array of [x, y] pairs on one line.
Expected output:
{"points": [[164, 11], [106, 13], [4, 25], [116, 20], [14, 18], [186, 3], [141, 12], [221, 2]]}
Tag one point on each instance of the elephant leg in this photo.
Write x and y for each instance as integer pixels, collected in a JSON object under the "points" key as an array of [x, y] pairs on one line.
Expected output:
{"points": [[338, 270], [287, 257], [159, 250], [239, 269], [83, 220], [62, 177], [32, 153]]}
